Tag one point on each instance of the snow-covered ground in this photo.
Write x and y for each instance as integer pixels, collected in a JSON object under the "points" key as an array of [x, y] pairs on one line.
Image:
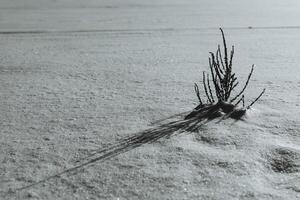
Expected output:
{"points": [[79, 76]]}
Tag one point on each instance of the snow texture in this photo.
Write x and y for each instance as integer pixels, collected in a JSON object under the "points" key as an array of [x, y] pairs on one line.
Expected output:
{"points": [[77, 77]]}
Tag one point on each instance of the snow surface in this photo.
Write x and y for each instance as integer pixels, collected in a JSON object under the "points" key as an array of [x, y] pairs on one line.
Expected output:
{"points": [[78, 76]]}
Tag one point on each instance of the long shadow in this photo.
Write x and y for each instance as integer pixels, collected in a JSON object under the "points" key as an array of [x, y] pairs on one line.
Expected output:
{"points": [[147, 136]]}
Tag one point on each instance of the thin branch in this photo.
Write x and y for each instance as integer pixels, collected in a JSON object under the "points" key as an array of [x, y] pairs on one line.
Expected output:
{"points": [[210, 91], [231, 56], [257, 98], [231, 85], [246, 84], [198, 93], [220, 56], [239, 101], [225, 49], [234, 86], [205, 89], [217, 88]]}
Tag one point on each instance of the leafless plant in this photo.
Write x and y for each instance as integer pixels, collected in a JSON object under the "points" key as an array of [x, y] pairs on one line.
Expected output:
{"points": [[224, 82]]}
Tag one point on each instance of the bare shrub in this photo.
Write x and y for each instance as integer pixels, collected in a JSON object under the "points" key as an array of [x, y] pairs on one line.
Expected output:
{"points": [[219, 85]]}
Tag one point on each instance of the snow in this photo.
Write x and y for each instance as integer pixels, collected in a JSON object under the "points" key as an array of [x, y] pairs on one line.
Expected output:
{"points": [[78, 77]]}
